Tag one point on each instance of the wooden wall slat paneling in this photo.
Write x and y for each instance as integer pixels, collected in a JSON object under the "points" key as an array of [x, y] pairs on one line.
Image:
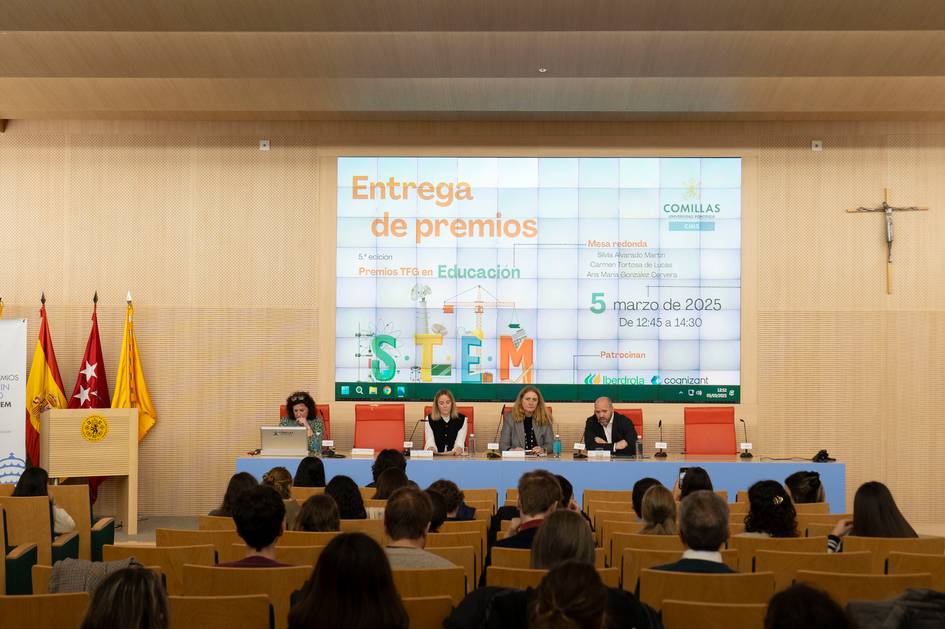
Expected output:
{"points": [[229, 252]]}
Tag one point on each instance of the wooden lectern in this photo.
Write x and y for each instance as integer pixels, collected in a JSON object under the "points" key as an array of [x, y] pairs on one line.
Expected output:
{"points": [[94, 442]]}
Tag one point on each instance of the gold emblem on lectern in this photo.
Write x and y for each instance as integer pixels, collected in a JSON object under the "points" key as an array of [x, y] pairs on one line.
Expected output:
{"points": [[94, 428]]}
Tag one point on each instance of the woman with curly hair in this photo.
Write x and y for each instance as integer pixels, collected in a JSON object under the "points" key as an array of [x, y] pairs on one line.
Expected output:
{"points": [[770, 511], [300, 407]]}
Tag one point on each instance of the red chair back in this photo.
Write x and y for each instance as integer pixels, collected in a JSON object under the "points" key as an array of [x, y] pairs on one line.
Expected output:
{"points": [[379, 426], [635, 415], [323, 410], [468, 411], [710, 430]]}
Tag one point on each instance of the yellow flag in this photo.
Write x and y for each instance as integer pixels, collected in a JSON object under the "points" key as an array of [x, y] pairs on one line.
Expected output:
{"points": [[130, 389]]}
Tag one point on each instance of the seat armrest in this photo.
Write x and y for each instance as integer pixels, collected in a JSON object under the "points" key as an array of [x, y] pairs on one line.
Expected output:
{"points": [[20, 551], [19, 567], [103, 532], [102, 523], [65, 546]]}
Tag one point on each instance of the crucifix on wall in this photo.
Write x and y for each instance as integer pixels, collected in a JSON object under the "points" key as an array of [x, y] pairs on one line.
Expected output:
{"points": [[888, 210]]}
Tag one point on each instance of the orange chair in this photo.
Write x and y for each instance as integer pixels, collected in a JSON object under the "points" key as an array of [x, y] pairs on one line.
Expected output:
{"points": [[379, 426], [709, 430], [323, 411], [635, 415], [468, 411]]}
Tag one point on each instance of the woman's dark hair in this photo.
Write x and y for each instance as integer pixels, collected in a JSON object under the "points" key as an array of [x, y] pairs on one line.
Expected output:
{"points": [[387, 459], [875, 513], [352, 587], [639, 490], [805, 487], [128, 598], [802, 606], [450, 491], [310, 473], [300, 397], [439, 510], [388, 482], [696, 479], [239, 482], [318, 513], [348, 498], [770, 510], [33, 482], [567, 491], [570, 595]]}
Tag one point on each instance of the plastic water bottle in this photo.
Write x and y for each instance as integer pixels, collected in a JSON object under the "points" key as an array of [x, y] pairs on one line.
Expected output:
{"points": [[471, 447], [557, 445], [639, 447]]}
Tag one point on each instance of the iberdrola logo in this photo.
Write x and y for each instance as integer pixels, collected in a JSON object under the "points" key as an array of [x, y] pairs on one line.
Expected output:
{"points": [[592, 378]]}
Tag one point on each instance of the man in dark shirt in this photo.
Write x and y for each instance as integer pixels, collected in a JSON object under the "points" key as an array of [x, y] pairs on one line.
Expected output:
{"points": [[608, 430], [703, 528], [260, 520]]}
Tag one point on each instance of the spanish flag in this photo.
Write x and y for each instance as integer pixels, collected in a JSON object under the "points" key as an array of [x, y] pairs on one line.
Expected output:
{"points": [[130, 389], [44, 388]]}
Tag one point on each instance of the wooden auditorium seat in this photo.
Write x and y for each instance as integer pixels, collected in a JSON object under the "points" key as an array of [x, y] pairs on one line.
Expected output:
{"points": [[221, 612], [607, 495], [215, 523], [785, 565], [621, 541], [29, 521], [222, 541], [432, 582], [92, 536], [427, 612], [633, 560], [301, 494], [306, 538], [522, 578], [688, 614], [41, 576], [659, 585], [463, 556], [913, 563], [522, 557], [466, 538], [868, 587], [17, 562], [372, 528], [882, 546], [172, 559], [43, 610], [748, 545]]}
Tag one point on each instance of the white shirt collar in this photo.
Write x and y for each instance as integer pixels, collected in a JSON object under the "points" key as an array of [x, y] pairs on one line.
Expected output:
{"points": [[704, 555]]}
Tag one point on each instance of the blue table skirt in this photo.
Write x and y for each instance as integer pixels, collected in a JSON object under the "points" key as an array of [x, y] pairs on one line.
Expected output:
{"points": [[727, 473]]}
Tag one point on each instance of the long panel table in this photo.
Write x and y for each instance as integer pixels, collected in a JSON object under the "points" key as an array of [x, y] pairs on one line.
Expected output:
{"points": [[729, 473]]}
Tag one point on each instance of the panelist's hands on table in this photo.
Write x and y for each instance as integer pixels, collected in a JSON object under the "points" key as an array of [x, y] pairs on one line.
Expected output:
{"points": [[537, 450]]}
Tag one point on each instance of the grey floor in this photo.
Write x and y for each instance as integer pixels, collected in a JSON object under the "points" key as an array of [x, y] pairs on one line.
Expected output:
{"points": [[147, 525]]}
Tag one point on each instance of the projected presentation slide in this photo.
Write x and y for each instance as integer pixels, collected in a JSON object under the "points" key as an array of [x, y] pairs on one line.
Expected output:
{"points": [[583, 276]]}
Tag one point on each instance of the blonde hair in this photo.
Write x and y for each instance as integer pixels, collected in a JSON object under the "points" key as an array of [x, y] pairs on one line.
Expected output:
{"points": [[541, 415], [435, 411], [279, 479], [659, 511]]}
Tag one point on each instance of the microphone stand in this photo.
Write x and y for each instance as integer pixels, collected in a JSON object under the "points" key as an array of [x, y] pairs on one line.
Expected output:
{"points": [[492, 454], [745, 454], [422, 420], [662, 453]]}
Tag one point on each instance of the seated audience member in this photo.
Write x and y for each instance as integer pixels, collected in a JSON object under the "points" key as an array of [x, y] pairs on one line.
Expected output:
{"points": [[438, 502], [538, 496], [564, 536], [770, 511], [348, 498], [239, 482], [279, 479], [703, 528], [387, 459], [696, 479], [351, 587], [803, 606], [456, 508], [659, 512], [128, 598], [318, 514], [571, 595], [310, 473], [388, 482], [875, 514], [260, 520], [567, 499], [639, 490], [35, 482], [805, 487], [406, 523]]}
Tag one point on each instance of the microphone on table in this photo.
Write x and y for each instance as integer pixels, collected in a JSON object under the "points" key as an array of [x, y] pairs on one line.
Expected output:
{"points": [[422, 420], [746, 454], [661, 454], [492, 454]]}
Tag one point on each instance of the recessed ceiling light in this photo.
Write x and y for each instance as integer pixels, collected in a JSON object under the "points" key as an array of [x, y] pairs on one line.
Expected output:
{"points": [[542, 70]]}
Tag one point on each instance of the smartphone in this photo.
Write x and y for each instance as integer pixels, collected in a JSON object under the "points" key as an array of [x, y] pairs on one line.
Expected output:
{"points": [[682, 474]]}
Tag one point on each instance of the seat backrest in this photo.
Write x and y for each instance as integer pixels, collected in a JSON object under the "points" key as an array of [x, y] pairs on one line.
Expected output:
{"points": [[172, 559], [463, 556], [481, 505], [605, 495], [468, 411], [215, 523], [3, 546], [307, 538], [599, 517], [301, 494], [686, 614], [6, 489], [812, 508], [44, 610], [464, 538], [659, 585], [913, 563], [785, 565], [277, 583], [511, 495], [747, 545], [882, 546], [819, 525], [298, 555], [608, 528], [372, 528], [489, 494], [742, 496], [75, 500], [634, 560], [41, 575], [322, 410], [648, 542], [635, 415], [427, 612], [709, 430], [379, 426], [29, 521], [220, 612], [868, 587], [222, 541], [432, 582]]}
